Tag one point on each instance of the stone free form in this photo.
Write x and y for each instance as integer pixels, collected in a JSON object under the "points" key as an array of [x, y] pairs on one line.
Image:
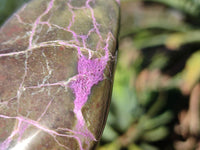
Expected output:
{"points": [[56, 70]]}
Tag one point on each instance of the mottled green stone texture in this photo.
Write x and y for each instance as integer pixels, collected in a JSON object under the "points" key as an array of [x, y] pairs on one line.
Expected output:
{"points": [[56, 74]]}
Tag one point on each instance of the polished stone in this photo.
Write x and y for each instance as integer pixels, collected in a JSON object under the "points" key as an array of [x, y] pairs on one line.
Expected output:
{"points": [[56, 70]]}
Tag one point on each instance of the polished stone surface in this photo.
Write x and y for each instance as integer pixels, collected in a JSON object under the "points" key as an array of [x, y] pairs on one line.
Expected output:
{"points": [[56, 70]]}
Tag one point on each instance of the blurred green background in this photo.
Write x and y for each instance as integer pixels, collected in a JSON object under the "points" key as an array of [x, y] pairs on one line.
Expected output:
{"points": [[156, 95]]}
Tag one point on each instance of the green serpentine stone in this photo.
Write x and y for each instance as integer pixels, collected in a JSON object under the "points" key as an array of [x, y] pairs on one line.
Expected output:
{"points": [[56, 70]]}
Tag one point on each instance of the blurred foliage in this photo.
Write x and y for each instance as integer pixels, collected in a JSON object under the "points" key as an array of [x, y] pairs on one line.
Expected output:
{"points": [[156, 95]]}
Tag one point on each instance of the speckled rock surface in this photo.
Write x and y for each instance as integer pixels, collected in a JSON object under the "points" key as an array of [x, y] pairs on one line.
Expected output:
{"points": [[56, 70]]}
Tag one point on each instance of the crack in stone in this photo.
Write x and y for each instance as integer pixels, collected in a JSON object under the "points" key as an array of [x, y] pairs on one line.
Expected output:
{"points": [[50, 5]]}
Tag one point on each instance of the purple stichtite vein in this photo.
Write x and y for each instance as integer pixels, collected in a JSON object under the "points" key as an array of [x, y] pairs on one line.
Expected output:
{"points": [[90, 73]]}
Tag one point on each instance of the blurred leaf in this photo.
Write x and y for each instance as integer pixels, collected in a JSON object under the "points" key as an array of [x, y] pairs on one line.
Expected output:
{"points": [[150, 41], [170, 40], [191, 73], [158, 105], [124, 100], [134, 147], [146, 146], [136, 17], [155, 135], [174, 41], [110, 146], [191, 7], [159, 60], [109, 134], [147, 123]]}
